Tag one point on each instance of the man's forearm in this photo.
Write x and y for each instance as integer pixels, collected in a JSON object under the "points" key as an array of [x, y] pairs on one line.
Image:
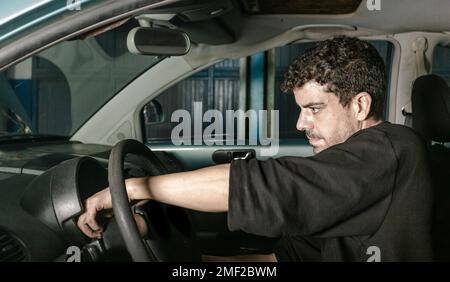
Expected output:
{"points": [[204, 189]]}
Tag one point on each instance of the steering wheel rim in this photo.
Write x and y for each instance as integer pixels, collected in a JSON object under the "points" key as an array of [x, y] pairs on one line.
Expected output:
{"points": [[122, 211]]}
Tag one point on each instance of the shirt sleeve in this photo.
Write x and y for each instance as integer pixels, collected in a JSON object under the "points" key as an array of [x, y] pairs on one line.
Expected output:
{"points": [[343, 191]]}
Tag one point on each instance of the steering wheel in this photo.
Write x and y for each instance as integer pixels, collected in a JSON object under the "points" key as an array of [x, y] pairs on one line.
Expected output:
{"points": [[154, 249]]}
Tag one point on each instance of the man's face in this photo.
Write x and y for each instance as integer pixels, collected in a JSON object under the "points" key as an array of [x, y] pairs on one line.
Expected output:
{"points": [[325, 121]]}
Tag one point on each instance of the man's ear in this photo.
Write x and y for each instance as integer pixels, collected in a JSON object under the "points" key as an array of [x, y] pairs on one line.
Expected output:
{"points": [[361, 103]]}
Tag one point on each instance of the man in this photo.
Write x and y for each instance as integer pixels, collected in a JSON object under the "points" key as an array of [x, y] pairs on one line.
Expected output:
{"points": [[364, 196]]}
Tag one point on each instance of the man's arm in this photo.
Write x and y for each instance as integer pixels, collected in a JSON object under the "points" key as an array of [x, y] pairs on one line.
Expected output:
{"points": [[204, 190]]}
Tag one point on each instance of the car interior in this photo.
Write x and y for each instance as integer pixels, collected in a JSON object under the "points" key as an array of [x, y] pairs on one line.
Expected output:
{"points": [[87, 101]]}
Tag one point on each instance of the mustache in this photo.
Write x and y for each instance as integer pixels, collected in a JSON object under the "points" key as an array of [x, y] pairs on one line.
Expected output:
{"points": [[312, 135]]}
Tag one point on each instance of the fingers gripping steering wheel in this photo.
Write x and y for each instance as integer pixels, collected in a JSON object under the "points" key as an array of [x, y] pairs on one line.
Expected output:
{"points": [[138, 249]]}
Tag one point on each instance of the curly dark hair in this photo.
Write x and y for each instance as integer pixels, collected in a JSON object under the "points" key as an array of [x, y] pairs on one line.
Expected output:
{"points": [[347, 66]]}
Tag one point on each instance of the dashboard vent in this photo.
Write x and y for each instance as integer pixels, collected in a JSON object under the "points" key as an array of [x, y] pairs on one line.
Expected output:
{"points": [[11, 249]]}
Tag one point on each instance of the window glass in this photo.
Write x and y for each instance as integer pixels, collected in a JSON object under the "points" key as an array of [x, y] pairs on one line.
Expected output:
{"points": [[441, 62], [218, 87], [59, 89], [213, 88]]}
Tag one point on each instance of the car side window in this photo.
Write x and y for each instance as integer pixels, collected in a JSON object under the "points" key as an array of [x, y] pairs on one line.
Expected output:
{"points": [[213, 88], [441, 62], [248, 83], [285, 102]]}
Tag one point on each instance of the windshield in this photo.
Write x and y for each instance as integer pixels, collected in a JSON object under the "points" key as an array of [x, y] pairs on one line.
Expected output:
{"points": [[21, 17], [56, 91]]}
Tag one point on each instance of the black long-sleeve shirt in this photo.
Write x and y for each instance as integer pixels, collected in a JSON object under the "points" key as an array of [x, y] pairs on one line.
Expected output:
{"points": [[373, 190]]}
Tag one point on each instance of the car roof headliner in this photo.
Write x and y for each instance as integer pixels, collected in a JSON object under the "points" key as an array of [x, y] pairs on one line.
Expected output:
{"points": [[395, 16]]}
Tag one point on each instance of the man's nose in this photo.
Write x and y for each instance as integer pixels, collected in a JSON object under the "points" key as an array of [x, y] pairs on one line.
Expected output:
{"points": [[303, 123]]}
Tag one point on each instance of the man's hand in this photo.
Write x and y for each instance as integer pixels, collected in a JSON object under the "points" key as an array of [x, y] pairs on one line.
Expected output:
{"points": [[94, 204], [101, 201]]}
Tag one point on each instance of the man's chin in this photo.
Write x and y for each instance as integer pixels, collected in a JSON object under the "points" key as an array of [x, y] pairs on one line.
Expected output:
{"points": [[318, 149]]}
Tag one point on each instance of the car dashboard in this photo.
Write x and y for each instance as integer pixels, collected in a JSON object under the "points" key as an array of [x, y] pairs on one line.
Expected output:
{"points": [[42, 189]]}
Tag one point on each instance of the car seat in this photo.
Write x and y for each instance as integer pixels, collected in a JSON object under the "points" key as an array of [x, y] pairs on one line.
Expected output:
{"points": [[431, 118]]}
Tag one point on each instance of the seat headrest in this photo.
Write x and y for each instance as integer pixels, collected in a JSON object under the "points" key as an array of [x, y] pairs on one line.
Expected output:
{"points": [[431, 107]]}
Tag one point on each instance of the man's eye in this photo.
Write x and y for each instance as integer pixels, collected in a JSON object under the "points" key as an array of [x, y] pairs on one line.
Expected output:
{"points": [[315, 110]]}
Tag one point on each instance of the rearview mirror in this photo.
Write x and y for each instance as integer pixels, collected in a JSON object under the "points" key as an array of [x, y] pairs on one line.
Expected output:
{"points": [[158, 41]]}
